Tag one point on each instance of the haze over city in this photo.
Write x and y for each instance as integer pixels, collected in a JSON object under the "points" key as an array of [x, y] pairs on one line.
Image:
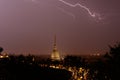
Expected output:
{"points": [[29, 26]]}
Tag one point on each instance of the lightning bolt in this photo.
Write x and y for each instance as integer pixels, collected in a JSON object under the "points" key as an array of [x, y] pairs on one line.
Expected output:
{"points": [[84, 7], [94, 15], [31, 0], [70, 14]]}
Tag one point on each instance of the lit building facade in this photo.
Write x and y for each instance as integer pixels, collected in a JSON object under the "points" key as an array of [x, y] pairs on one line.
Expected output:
{"points": [[55, 53]]}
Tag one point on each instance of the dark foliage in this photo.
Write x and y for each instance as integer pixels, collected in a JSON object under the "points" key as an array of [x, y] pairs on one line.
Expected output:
{"points": [[74, 61], [17, 68], [113, 61], [1, 49]]}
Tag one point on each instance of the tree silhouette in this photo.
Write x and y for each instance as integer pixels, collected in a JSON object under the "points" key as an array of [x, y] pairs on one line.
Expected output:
{"points": [[113, 61], [1, 49], [70, 60], [114, 54]]}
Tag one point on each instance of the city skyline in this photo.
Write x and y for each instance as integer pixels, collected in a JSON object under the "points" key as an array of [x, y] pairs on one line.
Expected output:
{"points": [[81, 26]]}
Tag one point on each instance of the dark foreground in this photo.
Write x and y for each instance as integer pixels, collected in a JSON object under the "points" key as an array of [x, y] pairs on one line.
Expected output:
{"points": [[10, 70]]}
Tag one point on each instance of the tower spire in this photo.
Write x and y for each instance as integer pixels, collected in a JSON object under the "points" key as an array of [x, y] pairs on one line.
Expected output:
{"points": [[55, 54], [55, 46], [55, 40]]}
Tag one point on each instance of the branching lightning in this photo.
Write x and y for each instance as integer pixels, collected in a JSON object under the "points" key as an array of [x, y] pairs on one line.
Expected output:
{"points": [[68, 13], [94, 15], [84, 7], [31, 0]]}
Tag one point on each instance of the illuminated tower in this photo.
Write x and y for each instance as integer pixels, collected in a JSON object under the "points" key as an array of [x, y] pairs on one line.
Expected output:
{"points": [[55, 54]]}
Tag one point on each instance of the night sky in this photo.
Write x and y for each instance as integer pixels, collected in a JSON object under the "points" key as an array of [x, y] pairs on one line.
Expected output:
{"points": [[81, 26]]}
